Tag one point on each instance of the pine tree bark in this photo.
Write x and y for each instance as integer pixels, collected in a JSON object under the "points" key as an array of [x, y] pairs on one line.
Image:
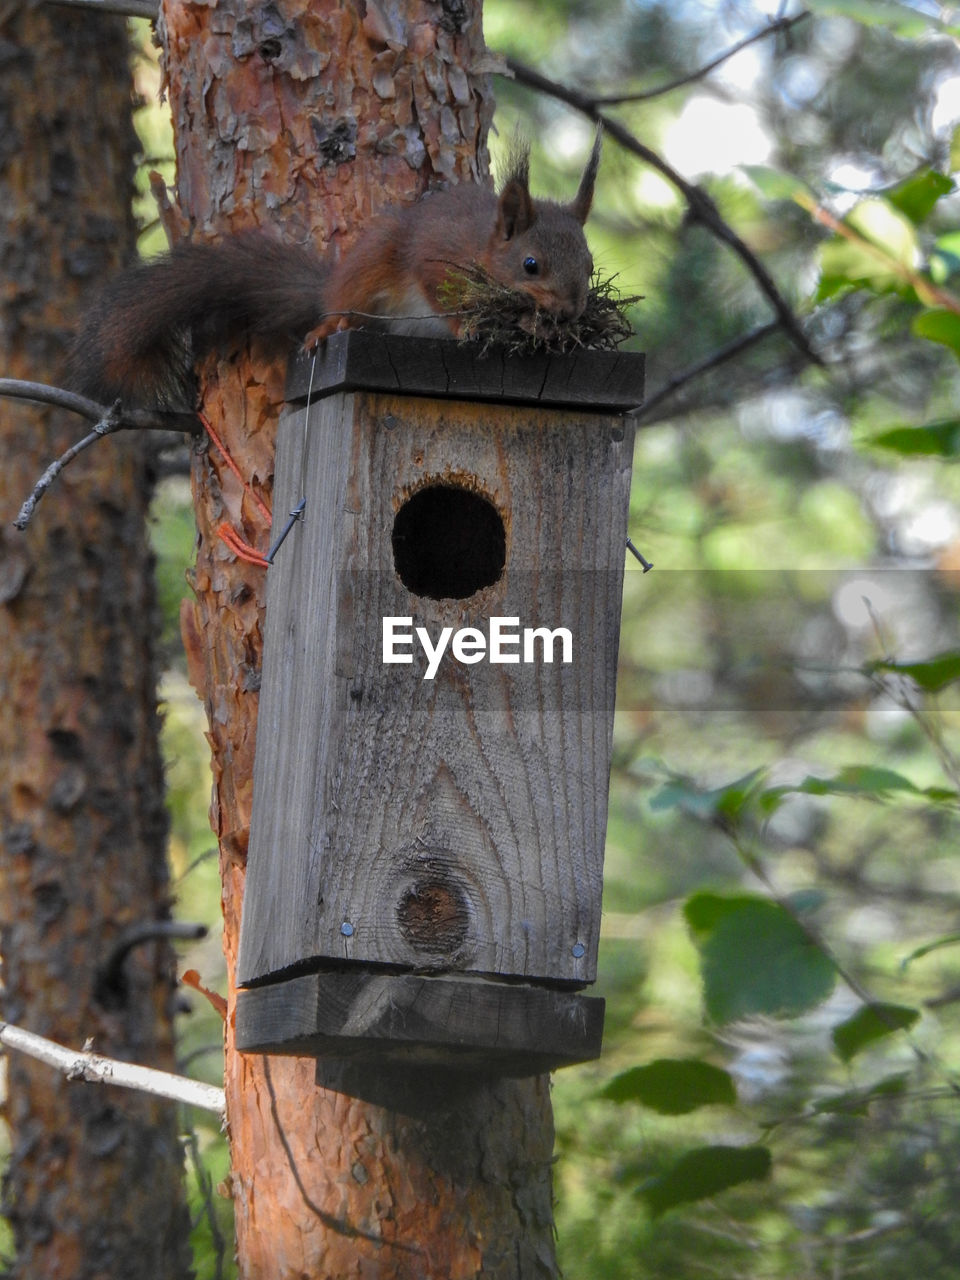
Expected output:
{"points": [[94, 1187], [309, 118]]}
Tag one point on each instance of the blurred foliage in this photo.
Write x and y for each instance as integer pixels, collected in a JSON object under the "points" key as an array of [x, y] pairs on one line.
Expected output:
{"points": [[780, 958]]}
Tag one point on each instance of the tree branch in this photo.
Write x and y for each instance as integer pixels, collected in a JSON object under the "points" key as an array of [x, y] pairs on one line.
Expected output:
{"points": [[929, 293], [111, 977], [701, 206], [105, 427], [128, 8], [83, 1065], [772, 28], [106, 421], [129, 419], [716, 358]]}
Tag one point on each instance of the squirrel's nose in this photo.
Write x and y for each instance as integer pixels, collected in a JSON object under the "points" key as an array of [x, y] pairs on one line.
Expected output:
{"points": [[573, 308]]}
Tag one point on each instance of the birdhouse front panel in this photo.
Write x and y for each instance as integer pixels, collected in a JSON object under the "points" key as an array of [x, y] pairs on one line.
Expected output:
{"points": [[436, 715]]}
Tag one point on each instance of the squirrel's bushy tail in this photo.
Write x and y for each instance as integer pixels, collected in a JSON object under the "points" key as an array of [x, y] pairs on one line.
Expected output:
{"points": [[141, 338]]}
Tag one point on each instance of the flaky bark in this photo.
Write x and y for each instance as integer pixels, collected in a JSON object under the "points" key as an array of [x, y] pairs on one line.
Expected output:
{"points": [[93, 1188], [311, 122]]}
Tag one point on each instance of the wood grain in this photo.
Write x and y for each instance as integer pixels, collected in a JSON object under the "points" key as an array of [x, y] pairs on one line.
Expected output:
{"points": [[596, 381], [415, 1020], [475, 804]]}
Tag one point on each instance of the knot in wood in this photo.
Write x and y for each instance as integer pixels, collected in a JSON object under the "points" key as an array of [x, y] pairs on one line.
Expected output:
{"points": [[433, 915]]}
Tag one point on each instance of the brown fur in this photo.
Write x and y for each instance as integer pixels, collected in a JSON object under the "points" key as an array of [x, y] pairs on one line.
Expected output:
{"points": [[141, 339]]}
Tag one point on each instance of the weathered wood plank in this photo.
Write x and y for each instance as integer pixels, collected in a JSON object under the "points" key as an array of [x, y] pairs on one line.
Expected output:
{"points": [[406, 1018], [596, 381], [453, 824]]}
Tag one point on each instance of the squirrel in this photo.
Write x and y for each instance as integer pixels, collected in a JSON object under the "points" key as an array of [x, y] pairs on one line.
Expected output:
{"points": [[141, 339]]}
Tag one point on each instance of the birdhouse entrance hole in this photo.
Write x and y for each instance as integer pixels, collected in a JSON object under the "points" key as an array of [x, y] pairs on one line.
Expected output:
{"points": [[448, 542]]}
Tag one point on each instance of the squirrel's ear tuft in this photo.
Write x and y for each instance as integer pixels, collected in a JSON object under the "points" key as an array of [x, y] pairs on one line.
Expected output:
{"points": [[580, 205], [517, 165], [515, 211]]}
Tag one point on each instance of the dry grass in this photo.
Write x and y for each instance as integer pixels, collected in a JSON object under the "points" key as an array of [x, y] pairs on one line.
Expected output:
{"points": [[493, 313]]}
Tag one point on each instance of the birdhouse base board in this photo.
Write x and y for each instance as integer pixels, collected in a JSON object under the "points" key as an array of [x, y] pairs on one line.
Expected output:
{"points": [[470, 1023]]}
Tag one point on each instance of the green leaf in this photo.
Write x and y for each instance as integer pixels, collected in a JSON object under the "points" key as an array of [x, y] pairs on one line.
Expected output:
{"points": [[845, 264], [886, 227], [955, 150], [932, 676], [673, 1086], [704, 911], [864, 780], [720, 802], [871, 1023], [936, 439], [857, 1101], [917, 196], [774, 184], [939, 326], [944, 257], [900, 19], [948, 940], [858, 779], [706, 1171], [755, 959]]}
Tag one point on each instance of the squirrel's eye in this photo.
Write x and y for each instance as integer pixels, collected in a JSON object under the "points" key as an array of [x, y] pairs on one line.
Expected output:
{"points": [[531, 266]]}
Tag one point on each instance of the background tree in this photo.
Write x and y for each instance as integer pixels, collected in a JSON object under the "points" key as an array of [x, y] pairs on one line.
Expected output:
{"points": [[93, 1185]]}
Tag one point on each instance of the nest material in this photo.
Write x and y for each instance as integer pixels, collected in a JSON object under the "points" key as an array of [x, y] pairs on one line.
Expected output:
{"points": [[491, 312]]}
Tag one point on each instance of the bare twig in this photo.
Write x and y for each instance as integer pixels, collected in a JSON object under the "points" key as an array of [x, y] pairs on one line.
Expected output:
{"points": [[772, 28], [701, 206], [95, 1069], [205, 1187], [929, 293], [128, 8], [106, 421], [718, 357], [136, 935], [105, 427], [130, 419]]}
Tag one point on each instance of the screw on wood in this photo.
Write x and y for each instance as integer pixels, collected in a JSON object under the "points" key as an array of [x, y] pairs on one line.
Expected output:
{"points": [[347, 929], [297, 511], [295, 515], [579, 950], [647, 564]]}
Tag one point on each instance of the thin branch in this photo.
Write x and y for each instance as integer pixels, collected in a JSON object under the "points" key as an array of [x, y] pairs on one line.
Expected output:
{"points": [[137, 935], [130, 419], [929, 293], [105, 427], [772, 28], [95, 1069], [718, 357], [701, 205], [205, 1186], [106, 421], [128, 8]]}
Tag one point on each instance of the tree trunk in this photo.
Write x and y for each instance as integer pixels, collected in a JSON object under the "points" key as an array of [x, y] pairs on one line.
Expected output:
{"points": [[311, 123], [94, 1184]]}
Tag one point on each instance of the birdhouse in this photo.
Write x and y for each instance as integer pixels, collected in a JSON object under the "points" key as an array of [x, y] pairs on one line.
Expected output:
{"points": [[436, 711]]}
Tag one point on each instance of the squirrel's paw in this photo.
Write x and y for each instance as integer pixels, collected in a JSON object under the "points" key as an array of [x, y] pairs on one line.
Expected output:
{"points": [[333, 324]]}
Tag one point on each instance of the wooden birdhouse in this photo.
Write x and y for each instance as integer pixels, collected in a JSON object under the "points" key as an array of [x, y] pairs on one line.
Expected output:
{"points": [[433, 746]]}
